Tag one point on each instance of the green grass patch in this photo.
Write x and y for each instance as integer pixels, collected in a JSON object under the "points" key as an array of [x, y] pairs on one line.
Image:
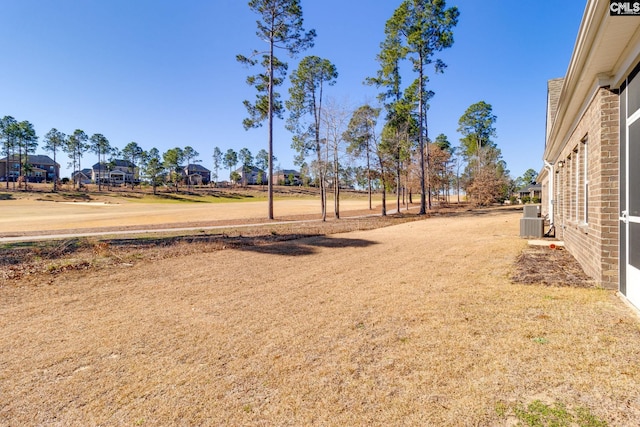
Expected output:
{"points": [[540, 414]]}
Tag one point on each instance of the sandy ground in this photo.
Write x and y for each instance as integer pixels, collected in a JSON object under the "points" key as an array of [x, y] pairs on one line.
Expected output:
{"points": [[26, 215], [415, 324]]}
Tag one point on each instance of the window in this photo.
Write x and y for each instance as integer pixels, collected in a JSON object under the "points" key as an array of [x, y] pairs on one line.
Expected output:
{"points": [[576, 190], [569, 193], [578, 183], [585, 180]]}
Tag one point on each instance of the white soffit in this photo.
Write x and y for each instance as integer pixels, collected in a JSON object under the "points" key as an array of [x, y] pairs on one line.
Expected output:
{"points": [[607, 46]]}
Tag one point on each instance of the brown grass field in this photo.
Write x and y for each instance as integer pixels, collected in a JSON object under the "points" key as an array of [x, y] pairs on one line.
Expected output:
{"points": [[404, 322]]}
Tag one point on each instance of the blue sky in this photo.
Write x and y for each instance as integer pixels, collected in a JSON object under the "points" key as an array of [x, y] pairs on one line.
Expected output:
{"points": [[163, 73]]}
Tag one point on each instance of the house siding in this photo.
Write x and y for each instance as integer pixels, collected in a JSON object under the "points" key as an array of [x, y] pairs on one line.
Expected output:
{"points": [[591, 238]]}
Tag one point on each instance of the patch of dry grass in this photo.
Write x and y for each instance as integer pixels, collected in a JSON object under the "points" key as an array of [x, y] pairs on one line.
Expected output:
{"points": [[552, 267], [413, 324], [29, 260]]}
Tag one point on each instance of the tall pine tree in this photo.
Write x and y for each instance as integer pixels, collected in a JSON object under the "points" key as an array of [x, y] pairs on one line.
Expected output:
{"points": [[280, 27]]}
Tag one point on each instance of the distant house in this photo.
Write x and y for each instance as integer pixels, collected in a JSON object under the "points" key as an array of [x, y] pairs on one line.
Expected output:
{"points": [[41, 168], [195, 174], [83, 176], [252, 176], [116, 172], [288, 177], [533, 191]]}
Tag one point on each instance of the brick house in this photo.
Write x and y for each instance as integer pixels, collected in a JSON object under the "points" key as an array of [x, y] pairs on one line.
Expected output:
{"points": [[42, 168], [591, 174]]}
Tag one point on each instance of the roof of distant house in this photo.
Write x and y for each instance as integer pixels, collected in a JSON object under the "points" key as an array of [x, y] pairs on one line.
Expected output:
{"points": [[32, 158], [288, 172], [116, 162], [193, 167], [254, 169], [528, 189], [86, 172]]}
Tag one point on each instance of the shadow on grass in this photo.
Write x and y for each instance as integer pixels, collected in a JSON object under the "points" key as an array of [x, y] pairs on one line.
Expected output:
{"points": [[278, 244], [6, 196], [306, 246], [176, 197], [191, 197], [231, 195]]}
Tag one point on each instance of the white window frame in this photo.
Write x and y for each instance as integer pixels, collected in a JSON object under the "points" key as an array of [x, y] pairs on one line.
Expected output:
{"points": [[585, 186], [576, 167]]}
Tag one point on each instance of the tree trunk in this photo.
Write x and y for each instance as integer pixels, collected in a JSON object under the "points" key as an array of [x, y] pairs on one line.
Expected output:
{"points": [[336, 183], [55, 174], [321, 178], [270, 119], [323, 197], [384, 187], [398, 184], [336, 201], [19, 167], [421, 144], [369, 178], [100, 165]]}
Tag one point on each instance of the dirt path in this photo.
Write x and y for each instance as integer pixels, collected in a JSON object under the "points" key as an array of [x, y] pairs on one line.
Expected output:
{"points": [[416, 324]]}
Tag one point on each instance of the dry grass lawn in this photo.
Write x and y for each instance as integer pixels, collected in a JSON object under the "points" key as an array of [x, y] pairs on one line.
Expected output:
{"points": [[413, 324]]}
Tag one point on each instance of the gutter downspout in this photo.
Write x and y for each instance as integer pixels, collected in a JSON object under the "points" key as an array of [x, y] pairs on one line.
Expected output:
{"points": [[552, 178]]}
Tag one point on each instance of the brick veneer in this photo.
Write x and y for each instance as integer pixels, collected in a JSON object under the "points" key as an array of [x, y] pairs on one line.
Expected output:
{"points": [[595, 243]]}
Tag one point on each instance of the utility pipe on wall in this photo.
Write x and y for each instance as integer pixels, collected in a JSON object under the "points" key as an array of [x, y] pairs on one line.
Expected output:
{"points": [[552, 178]]}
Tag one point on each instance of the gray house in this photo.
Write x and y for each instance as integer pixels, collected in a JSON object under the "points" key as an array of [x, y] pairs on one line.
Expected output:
{"points": [[83, 177], [252, 176], [116, 172], [532, 191], [195, 174], [288, 177]]}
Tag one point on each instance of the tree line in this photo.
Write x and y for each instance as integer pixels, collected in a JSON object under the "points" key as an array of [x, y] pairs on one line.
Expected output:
{"points": [[19, 140], [395, 149], [386, 146]]}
